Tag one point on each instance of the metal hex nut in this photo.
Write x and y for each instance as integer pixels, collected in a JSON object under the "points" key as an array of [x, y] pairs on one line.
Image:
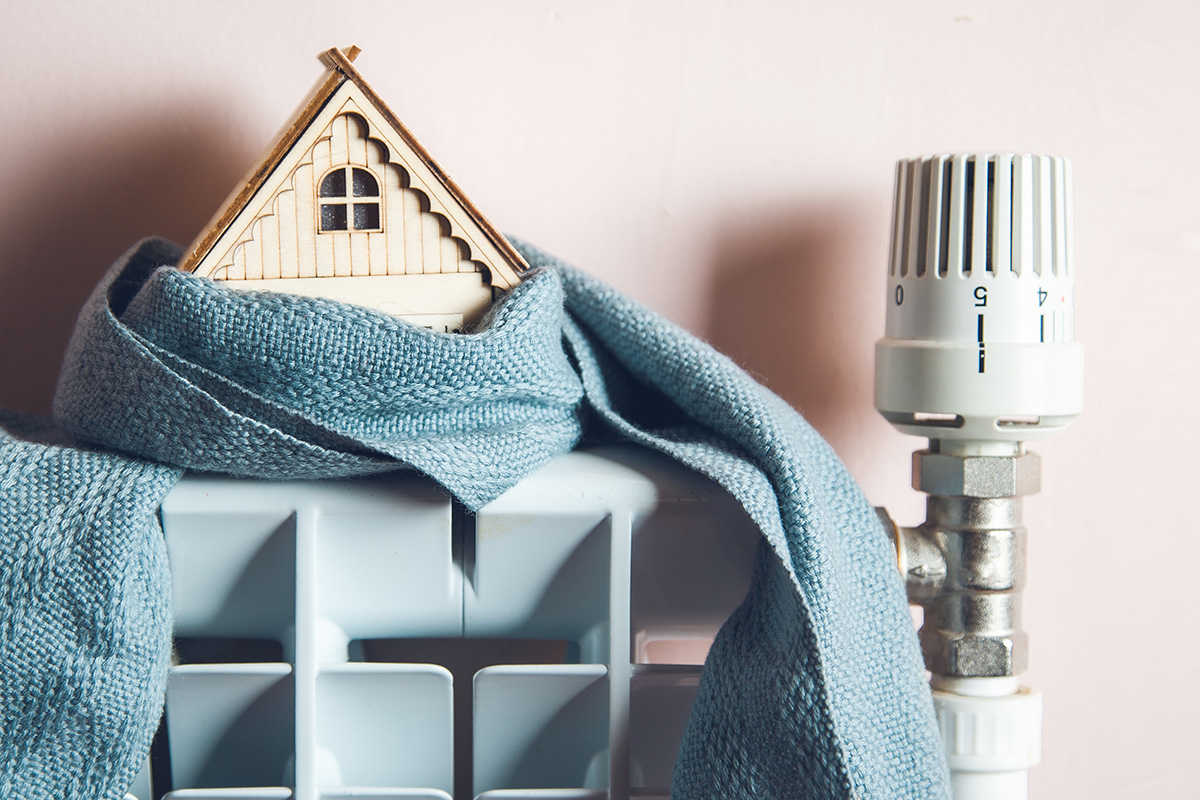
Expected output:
{"points": [[955, 475], [975, 656]]}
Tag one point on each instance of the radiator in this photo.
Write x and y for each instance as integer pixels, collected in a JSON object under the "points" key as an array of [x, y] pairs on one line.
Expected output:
{"points": [[372, 639]]}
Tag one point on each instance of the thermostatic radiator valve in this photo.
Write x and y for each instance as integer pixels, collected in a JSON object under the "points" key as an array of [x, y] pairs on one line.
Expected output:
{"points": [[979, 356], [979, 344]]}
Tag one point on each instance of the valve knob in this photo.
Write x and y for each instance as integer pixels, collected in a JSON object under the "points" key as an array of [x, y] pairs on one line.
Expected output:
{"points": [[979, 343]]}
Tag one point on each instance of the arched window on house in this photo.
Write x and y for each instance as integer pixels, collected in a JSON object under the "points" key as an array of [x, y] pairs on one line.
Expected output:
{"points": [[356, 209]]}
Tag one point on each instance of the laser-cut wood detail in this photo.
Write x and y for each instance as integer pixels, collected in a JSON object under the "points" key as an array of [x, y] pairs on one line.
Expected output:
{"points": [[391, 232]]}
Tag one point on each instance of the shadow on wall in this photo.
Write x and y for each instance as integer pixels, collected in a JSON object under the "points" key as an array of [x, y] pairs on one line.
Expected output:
{"points": [[796, 301], [159, 172]]}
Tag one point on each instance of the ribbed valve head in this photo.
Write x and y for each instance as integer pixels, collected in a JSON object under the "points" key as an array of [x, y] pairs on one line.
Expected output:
{"points": [[979, 342]]}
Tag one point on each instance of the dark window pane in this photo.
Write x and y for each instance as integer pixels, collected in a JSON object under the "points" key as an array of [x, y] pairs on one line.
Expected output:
{"points": [[365, 184], [366, 216], [333, 217], [334, 184]]}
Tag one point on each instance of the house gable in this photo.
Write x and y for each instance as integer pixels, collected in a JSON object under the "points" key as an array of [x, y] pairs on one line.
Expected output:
{"points": [[346, 192]]}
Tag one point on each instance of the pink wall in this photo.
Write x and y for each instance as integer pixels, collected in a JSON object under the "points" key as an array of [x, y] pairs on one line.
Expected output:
{"points": [[729, 164]]}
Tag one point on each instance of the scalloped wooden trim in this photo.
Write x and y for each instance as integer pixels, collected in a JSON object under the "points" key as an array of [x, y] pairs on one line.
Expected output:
{"points": [[502, 266]]}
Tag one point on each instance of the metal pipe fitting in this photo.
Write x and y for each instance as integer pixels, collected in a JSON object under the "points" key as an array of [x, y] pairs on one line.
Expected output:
{"points": [[965, 565], [920, 559]]}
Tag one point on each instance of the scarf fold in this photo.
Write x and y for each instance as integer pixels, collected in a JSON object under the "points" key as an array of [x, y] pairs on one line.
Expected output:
{"points": [[813, 688]]}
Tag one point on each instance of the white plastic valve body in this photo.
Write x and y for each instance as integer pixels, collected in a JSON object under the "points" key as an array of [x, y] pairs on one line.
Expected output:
{"points": [[979, 342]]}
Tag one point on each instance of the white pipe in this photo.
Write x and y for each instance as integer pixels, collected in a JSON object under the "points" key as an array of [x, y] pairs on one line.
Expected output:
{"points": [[990, 785], [992, 732]]}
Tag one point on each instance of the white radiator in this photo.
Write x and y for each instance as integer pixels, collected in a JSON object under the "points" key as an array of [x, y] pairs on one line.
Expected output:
{"points": [[370, 639]]}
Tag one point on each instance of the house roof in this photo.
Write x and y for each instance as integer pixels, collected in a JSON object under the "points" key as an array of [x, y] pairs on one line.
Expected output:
{"points": [[341, 70]]}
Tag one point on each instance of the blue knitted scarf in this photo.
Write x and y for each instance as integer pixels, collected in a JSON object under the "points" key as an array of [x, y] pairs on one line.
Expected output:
{"points": [[813, 688]]}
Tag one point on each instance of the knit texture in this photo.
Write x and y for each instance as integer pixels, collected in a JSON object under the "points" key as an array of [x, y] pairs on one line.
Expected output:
{"points": [[84, 618], [813, 688]]}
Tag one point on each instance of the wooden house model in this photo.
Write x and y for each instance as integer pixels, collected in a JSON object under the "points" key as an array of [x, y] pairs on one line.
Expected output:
{"points": [[347, 205]]}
